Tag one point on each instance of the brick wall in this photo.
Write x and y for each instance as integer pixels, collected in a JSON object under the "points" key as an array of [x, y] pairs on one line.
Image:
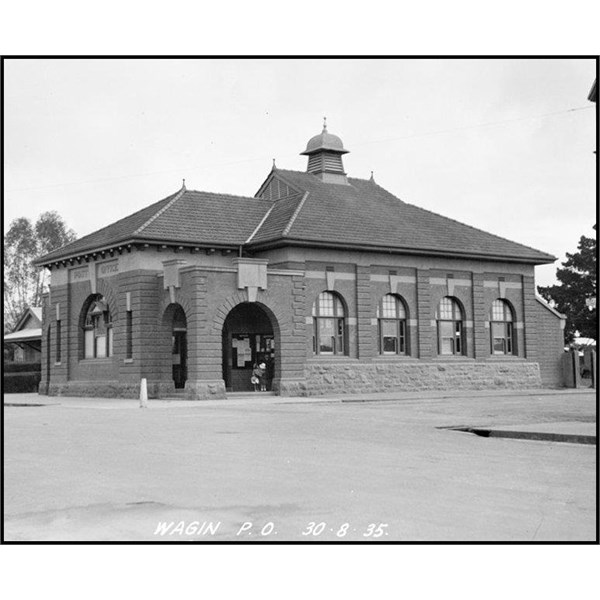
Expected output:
{"points": [[208, 293], [551, 342]]}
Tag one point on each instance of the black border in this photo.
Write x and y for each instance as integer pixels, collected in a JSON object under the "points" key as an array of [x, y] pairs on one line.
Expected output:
{"points": [[4, 58]]}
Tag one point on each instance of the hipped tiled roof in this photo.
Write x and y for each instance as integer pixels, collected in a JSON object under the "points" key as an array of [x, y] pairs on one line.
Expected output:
{"points": [[360, 214], [185, 217]]}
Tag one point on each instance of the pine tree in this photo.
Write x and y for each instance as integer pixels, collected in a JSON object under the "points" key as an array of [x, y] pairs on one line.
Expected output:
{"points": [[575, 296]]}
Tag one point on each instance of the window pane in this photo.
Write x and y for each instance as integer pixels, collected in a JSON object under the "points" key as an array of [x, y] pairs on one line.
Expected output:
{"points": [[446, 308], [326, 335], [390, 345], [389, 328], [446, 329], [401, 313], [446, 336], [497, 330], [326, 305], [89, 343], [402, 340], [498, 338], [129, 333], [110, 341], [497, 310], [458, 337], [447, 346], [101, 346], [498, 346], [388, 307]]}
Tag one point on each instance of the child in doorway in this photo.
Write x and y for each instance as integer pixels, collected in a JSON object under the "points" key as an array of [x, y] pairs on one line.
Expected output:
{"points": [[260, 373], [257, 377]]}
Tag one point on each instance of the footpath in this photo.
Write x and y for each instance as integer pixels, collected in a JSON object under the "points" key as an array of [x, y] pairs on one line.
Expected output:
{"points": [[537, 414]]}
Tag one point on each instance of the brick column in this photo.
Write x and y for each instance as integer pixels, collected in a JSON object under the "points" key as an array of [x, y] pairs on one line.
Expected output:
{"points": [[60, 296], [530, 324], [204, 345], [292, 338], [481, 334], [145, 326], [43, 389], [425, 315], [364, 313]]}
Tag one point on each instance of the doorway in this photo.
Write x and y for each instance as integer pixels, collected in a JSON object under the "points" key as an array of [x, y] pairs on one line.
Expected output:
{"points": [[248, 340], [179, 348]]}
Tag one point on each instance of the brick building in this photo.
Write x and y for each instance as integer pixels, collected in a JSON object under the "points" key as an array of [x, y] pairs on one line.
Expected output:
{"points": [[333, 282]]}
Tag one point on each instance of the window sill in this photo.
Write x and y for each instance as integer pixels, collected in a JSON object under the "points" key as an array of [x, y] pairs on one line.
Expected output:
{"points": [[58, 364], [96, 361], [128, 360], [505, 358], [319, 358], [385, 358], [451, 358]]}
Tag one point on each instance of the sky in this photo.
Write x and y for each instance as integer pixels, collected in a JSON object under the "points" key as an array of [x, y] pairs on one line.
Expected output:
{"points": [[505, 145]]}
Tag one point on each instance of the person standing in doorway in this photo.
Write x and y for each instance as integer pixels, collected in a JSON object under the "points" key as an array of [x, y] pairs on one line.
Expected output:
{"points": [[257, 373], [262, 376]]}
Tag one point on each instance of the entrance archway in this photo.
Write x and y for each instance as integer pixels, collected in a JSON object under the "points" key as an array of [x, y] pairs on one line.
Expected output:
{"points": [[175, 317], [248, 339]]}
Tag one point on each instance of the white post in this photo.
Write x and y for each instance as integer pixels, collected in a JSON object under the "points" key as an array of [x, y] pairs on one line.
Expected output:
{"points": [[143, 394]]}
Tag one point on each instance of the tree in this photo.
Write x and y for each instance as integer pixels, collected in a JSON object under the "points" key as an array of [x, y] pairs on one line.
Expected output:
{"points": [[575, 296], [24, 283]]}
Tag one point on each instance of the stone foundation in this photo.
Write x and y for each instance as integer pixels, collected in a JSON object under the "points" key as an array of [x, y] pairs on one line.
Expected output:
{"points": [[94, 389], [342, 378], [204, 390], [411, 377], [194, 390]]}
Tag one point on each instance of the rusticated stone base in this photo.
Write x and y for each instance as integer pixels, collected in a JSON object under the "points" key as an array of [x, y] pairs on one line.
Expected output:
{"points": [[329, 378], [194, 390], [332, 378], [289, 387], [95, 389], [204, 390]]}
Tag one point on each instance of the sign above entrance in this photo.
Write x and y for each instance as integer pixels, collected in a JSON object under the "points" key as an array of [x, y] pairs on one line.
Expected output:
{"points": [[252, 275]]}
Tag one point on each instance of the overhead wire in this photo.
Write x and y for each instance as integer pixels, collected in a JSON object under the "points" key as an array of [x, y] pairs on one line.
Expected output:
{"points": [[228, 163]]}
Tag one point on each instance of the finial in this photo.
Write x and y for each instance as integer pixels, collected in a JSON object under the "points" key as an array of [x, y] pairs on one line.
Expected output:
{"points": [[324, 124], [274, 166], [183, 184], [372, 178]]}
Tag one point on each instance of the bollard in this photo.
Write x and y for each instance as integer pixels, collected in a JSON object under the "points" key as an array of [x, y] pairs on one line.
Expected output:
{"points": [[143, 394]]}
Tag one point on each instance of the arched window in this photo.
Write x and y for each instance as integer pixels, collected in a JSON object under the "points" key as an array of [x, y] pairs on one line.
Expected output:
{"points": [[501, 327], [449, 319], [391, 317], [97, 329], [329, 324]]}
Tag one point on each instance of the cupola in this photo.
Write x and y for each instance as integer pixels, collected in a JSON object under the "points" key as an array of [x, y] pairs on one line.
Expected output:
{"points": [[324, 153]]}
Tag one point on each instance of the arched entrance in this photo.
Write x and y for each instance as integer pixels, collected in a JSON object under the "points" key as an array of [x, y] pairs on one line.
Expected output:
{"points": [[175, 316], [248, 339]]}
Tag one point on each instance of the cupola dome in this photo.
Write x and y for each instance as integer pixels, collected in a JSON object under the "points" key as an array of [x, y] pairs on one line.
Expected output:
{"points": [[324, 141], [324, 153]]}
